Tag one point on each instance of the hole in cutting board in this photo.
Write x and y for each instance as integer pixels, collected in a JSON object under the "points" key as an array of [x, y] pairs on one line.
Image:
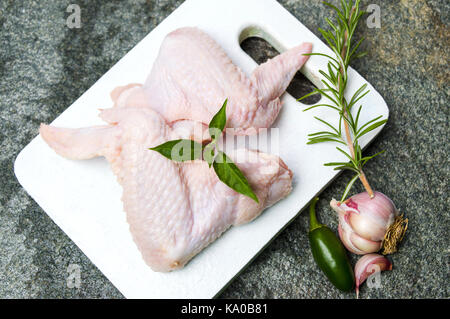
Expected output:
{"points": [[260, 50]]}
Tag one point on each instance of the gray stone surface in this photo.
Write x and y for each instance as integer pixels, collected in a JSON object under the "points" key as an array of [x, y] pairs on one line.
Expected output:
{"points": [[45, 66]]}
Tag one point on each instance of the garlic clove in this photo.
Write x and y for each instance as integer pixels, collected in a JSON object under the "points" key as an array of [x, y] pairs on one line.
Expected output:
{"points": [[367, 265], [345, 232], [365, 245], [352, 241], [344, 235], [366, 226]]}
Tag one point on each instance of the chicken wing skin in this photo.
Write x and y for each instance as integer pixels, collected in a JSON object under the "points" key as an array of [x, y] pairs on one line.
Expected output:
{"points": [[192, 76], [174, 209]]}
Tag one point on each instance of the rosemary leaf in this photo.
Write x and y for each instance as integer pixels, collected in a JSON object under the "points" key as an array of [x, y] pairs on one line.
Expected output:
{"points": [[345, 49], [349, 186], [324, 139], [370, 128], [326, 123], [317, 105]]}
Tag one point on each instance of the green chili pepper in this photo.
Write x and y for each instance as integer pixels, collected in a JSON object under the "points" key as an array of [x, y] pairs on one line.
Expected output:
{"points": [[329, 253]]}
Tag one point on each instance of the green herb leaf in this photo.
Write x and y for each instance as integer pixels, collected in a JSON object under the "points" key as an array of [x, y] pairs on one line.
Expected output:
{"points": [[338, 164], [371, 128], [185, 150], [349, 186], [180, 150], [321, 54], [208, 153], [346, 154], [325, 133], [218, 122], [327, 124], [367, 158], [323, 139], [230, 175], [334, 83], [314, 92]]}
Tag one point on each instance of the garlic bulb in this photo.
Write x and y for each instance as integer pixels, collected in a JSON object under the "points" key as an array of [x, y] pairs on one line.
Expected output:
{"points": [[368, 224], [368, 265]]}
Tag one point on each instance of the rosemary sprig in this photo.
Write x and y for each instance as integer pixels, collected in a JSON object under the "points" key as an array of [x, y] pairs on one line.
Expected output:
{"points": [[340, 39]]}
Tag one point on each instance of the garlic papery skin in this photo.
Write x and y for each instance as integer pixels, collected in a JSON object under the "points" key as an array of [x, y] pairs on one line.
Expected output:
{"points": [[367, 265], [364, 221]]}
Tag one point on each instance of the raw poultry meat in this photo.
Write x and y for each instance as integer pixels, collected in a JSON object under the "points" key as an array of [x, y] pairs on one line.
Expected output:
{"points": [[192, 76], [176, 209]]}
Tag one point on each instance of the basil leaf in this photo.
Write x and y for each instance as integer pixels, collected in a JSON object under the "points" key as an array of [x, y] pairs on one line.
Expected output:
{"points": [[208, 153], [180, 150], [231, 176], [218, 122]]}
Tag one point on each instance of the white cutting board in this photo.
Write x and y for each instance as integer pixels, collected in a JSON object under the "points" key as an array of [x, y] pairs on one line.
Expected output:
{"points": [[83, 197]]}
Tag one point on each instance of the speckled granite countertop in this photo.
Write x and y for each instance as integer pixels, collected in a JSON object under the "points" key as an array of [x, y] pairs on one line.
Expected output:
{"points": [[45, 66]]}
